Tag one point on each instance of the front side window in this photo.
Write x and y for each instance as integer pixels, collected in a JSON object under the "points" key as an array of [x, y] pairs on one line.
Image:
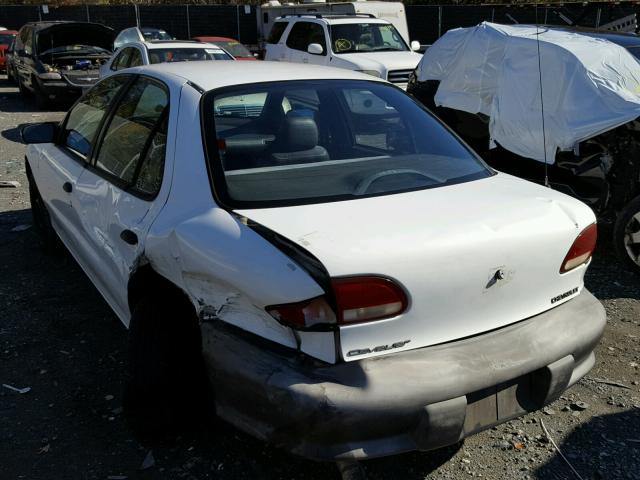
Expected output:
{"points": [[132, 131], [295, 142], [305, 33], [276, 32], [366, 37], [84, 119]]}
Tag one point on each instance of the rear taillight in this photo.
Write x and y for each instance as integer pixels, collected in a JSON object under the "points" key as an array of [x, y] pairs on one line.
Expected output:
{"points": [[362, 299], [357, 299], [581, 250], [314, 314]]}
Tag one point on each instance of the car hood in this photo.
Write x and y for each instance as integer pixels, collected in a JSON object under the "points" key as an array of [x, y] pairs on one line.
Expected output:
{"points": [[380, 61], [80, 33], [444, 246]]}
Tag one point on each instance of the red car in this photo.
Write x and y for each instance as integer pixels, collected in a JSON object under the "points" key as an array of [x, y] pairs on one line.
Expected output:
{"points": [[6, 37], [234, 47]]}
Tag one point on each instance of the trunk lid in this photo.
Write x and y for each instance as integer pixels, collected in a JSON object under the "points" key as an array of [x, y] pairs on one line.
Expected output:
{"points": [[445, 246]]}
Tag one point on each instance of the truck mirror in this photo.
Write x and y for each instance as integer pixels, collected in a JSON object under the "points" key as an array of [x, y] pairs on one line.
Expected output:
{"points": [[315, 49], [415, 45]]}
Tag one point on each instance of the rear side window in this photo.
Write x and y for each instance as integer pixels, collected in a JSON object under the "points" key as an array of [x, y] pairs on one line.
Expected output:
{"points": [[297, 142], [122, 60], [305, 33], [85, 117], [136, 58], [135, 133], [276, 32]]}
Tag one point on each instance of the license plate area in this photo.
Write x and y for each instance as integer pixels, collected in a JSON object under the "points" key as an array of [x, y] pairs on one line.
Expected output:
{"points": [[499, 403]]}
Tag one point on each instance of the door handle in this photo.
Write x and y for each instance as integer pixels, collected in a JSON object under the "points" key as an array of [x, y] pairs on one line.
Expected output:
{"points": [[129, 237], [67, 187]]}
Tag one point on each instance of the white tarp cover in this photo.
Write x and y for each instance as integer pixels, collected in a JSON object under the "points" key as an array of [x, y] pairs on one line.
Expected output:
{"points": [[589, 85]]}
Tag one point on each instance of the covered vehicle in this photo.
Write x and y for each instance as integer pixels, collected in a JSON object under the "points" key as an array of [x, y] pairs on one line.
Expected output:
{"points": [[492, 83], [58, 60], [356, 280], [6, 40]]}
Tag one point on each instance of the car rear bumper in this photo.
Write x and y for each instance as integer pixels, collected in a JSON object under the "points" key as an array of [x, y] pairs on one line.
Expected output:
{"points": [[414, 400]]}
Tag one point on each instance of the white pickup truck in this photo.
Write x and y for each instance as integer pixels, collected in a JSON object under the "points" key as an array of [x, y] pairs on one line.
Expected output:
{"points": [[358, 42]]}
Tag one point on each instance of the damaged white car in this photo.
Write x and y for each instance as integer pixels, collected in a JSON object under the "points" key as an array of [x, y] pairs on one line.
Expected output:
{"points": [[491, 84], [357, 281]]}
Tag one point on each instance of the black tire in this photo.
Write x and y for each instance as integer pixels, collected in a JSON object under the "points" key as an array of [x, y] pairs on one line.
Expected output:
{"points": [[10, 77], [166, 388], [47, 236], [42, 101], [626, 246], [24, 91]]}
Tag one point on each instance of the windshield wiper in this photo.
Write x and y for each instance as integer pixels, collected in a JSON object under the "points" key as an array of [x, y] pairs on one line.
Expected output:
{"points": [[389, 49]]}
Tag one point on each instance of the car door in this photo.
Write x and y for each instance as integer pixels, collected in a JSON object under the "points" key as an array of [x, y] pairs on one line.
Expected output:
{"points": [[59, 165], [114, 195], [303, 34]]}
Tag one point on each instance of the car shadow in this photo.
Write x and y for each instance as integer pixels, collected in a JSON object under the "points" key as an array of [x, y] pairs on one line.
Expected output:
{"points": [[607, 447], [604, 281], [13, 101]]}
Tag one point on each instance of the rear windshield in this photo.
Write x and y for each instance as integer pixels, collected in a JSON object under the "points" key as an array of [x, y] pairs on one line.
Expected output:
{"points": [[6, 38], [297, 142], [168, 55], [234, 48]]}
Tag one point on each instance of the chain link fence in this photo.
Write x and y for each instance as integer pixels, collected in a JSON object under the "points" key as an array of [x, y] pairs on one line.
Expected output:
{"points": [[426, 22], [181, 21]]}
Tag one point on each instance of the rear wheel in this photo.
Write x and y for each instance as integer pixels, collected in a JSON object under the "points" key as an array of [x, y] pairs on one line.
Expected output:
{"points": [[47, 236], [166, 389], [626, 235], [42, 101]]}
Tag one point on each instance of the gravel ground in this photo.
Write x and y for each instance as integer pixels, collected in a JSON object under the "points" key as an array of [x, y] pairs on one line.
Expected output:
{"points": [[59, 338]]}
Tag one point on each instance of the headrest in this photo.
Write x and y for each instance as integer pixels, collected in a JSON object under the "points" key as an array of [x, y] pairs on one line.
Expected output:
{"points": [[300, 131]]}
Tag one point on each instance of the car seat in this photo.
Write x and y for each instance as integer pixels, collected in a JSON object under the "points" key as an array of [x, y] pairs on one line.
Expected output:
{"points": [[297, 141]]}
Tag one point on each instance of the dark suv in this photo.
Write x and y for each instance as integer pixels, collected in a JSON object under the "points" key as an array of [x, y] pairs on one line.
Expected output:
{"points": [[57, 60]]}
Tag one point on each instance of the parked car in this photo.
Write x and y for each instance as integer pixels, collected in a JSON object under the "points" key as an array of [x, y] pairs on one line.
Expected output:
{"points": [[233, 47], [6, 39], [358, 282], [147, 53], [355, 42], [142, 34], [57, 60], [591, 109], [10, 64]]}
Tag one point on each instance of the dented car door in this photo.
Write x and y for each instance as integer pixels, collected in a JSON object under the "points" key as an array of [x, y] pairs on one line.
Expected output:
{"points": [[117, 193]]}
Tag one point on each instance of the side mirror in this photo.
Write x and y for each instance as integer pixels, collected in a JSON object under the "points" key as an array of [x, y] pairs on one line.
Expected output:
{"points": [[45, 132], [315, 49], [415, 45]]}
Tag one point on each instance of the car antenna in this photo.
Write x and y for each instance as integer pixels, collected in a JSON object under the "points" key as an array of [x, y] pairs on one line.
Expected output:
{"points": [[544, 133]]}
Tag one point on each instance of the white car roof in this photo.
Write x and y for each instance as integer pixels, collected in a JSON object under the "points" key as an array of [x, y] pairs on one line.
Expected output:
{"points": [[211, 75], [178, 44]]}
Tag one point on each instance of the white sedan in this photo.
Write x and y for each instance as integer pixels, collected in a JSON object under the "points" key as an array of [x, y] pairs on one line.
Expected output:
{"points": [[139, 53], [353, 279]]}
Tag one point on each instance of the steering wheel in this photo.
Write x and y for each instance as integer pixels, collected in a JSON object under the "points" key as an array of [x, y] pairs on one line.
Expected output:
{"points": [[364, 184]]}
